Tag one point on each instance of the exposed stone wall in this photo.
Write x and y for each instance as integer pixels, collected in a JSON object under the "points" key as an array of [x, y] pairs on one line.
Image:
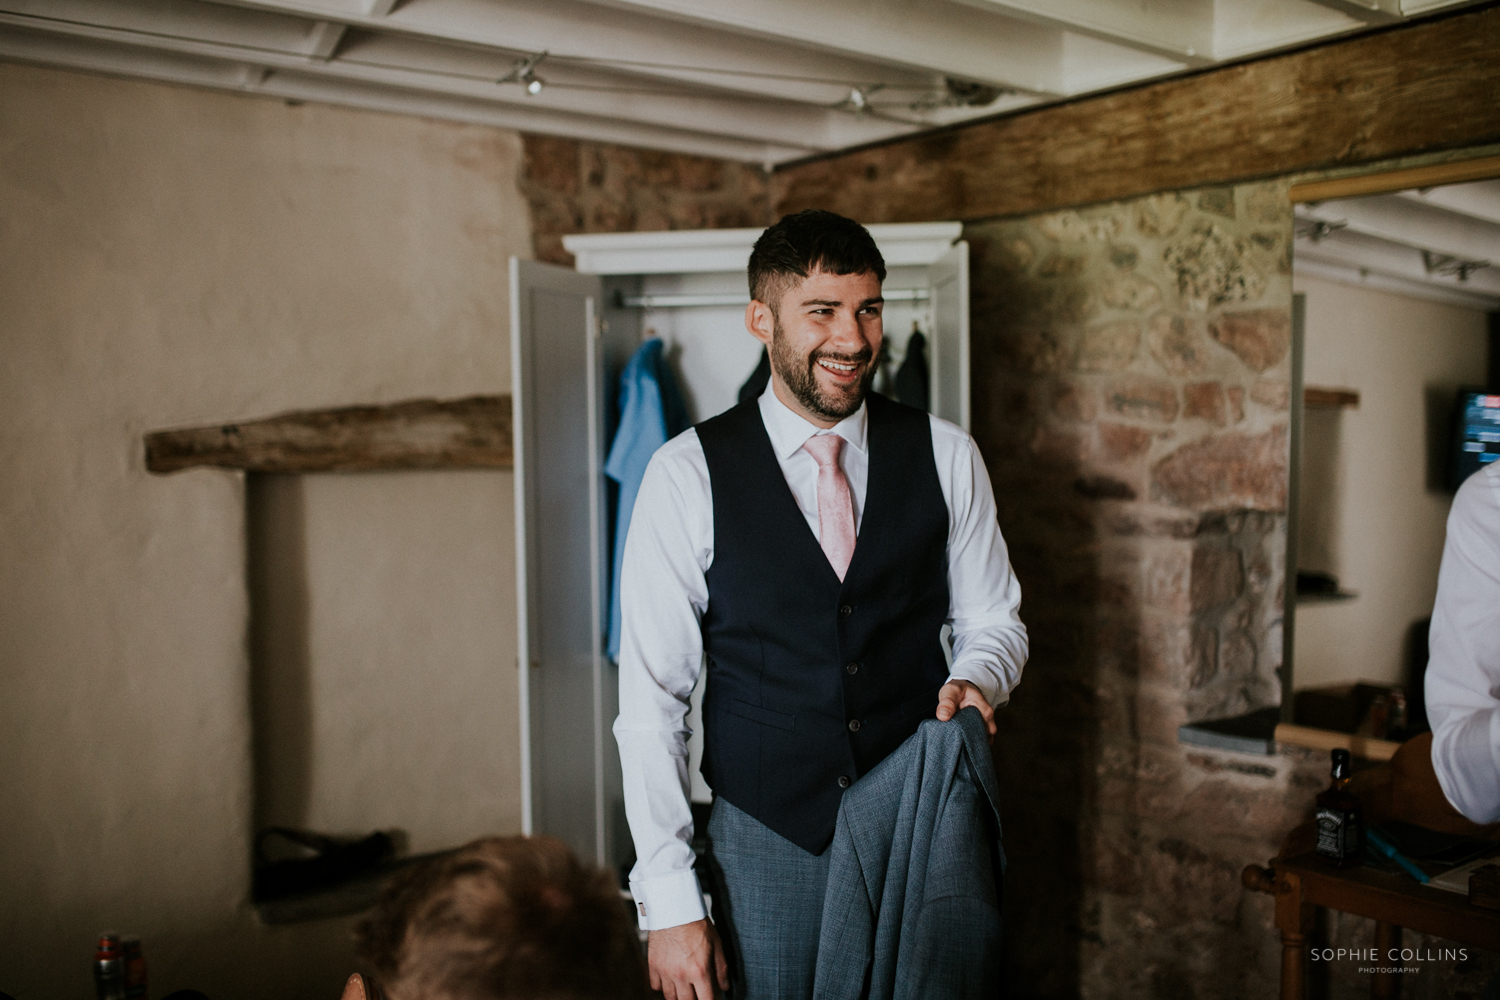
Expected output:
{"points": [[588, 187], [1131, 373], [1131, 389]]}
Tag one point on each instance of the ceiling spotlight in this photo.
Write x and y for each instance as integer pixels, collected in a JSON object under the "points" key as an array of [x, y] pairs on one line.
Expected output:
{"points": [[524, 73], [857, 99]]}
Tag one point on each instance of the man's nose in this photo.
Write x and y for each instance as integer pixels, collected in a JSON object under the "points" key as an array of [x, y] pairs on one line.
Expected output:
{"points": [[849, 336]]}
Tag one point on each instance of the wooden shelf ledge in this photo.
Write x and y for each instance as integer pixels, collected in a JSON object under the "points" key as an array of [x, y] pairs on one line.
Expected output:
{"points": [[1318, 396], [471, 433]]}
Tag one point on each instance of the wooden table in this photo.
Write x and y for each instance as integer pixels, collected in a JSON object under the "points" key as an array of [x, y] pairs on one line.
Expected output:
{"points": [[1302, 880], [1308, 880]]}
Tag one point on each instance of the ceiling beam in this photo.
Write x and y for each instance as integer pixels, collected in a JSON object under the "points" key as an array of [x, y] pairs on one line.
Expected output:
{"points": [[323, 41], [1480, 199], [1368, 11], [940, 38], [154, 64], [650, 46], [1412, 224], [413, 65], [1182, 30]]}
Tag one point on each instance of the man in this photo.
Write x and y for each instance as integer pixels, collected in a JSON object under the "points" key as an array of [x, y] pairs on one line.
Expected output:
{"points": [[503, 918], [823, 655], [1463, 669]]}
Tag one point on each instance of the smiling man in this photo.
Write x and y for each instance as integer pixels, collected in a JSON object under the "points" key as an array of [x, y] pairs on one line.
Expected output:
{"points": [[807, 547]]}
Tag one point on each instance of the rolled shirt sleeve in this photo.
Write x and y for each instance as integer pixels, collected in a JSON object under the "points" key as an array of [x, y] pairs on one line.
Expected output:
{"points": [[1463, 669], [989, 641]]}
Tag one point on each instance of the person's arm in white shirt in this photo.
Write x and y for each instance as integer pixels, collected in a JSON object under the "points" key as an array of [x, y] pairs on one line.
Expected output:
{"points": [[663, 594], [989, 641], [1463, 668]]}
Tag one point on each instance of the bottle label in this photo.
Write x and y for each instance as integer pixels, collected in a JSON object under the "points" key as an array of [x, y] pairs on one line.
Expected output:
{"points": [[1338, 833]]}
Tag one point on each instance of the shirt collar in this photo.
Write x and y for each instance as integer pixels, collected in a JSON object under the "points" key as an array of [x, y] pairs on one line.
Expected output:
{"points": [[789, 430]]}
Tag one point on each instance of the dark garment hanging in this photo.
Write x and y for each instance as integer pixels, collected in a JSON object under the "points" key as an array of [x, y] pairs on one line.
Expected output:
{"points": [[759, 379], [911, 377]]}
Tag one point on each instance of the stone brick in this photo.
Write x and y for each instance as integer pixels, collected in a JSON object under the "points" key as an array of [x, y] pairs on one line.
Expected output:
{"points": [[1236, 396], [1120, 442], [1114, 863], [1226, 470], [1237, 655], [1097, 487], [1176, 652], [1061, 266], [1218, 576], [552, 163], [1015, 254], [1178, 345], [1110, 347], [1166, 577], [1074, 401], [1212, 268], [1037, 347], [1078, 304], [1057, 447], [1153, 400], [1205, 401], [1243, 807], [1269, 203], [1271, 393], [1160, 215], [1219, 201], [1074, 227], [1260, 337], [1193, 883], [1131, 291]]}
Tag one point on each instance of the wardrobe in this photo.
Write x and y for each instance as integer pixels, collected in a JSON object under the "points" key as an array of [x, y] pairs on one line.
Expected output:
{"points": [[572, 330]]}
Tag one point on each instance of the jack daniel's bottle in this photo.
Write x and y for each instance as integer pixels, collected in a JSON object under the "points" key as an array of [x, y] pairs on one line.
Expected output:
{"points": [[1340, 830]]}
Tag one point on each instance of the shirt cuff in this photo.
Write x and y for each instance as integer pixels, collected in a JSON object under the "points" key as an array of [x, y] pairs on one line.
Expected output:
{"points": [[984, 682], [668, 901]]}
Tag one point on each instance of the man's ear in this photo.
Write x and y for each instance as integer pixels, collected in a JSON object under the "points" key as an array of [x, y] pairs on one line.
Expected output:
{"points": [[760, 321]]}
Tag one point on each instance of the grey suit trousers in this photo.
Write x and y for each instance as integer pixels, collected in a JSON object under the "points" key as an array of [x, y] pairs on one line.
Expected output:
{"points": [[768, 906]]}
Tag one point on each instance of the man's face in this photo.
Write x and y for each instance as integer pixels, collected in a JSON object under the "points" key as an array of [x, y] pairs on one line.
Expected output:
{"points": [[826, 335]]}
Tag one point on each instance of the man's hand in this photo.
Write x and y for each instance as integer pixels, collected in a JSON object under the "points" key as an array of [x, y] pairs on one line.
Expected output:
{"points": [[680, 959], [961, 694]]}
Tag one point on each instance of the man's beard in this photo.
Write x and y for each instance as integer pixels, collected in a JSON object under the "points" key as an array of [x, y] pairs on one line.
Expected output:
{"points": [[797, 374]]}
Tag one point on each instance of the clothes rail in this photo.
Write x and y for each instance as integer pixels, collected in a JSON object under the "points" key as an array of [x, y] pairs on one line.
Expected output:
{"points": [[689, 301]]}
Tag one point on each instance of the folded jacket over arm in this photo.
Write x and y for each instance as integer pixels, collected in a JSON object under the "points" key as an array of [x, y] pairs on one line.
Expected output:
{"points": [[913, 901]]}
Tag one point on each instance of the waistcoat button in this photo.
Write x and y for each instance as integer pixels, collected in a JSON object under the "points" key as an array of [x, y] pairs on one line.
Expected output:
{"points": [[846, 610], [843, 781], [851, 669], [853, 725]]}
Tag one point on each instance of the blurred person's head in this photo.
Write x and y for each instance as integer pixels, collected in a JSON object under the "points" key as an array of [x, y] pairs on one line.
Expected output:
{"points": [[503, 918]]}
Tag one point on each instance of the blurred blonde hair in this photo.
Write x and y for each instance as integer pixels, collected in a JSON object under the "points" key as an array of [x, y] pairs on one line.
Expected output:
{"points": [[504, 918]]}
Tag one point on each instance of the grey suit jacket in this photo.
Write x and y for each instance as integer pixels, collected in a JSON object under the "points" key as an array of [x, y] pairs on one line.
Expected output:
{"points": [[913, 901]]}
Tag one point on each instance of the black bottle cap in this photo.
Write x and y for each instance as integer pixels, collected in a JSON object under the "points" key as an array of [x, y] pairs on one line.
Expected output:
{"points": [[1341, 763]]}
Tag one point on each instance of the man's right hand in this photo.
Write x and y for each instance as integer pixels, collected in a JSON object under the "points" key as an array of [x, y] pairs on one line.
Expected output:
{"points": [[686, 960]]}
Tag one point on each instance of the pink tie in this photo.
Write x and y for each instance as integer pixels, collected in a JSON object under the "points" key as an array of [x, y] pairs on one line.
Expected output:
{"points": [[835, 509]]}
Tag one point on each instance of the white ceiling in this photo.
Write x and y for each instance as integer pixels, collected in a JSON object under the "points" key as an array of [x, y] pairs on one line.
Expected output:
{"points": [[1440, 243], [762, 81]]}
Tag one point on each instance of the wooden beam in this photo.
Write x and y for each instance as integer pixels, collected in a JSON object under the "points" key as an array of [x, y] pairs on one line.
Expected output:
{"points": [[1421, 88], [1481, 168], [472, 433]]}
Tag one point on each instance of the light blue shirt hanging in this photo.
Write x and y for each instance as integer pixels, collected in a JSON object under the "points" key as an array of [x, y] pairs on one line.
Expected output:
{"points": [[651, 414]]}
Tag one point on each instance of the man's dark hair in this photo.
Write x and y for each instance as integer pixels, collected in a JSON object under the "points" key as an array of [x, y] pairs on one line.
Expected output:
{"points": [[502, 918], [811, 240]]}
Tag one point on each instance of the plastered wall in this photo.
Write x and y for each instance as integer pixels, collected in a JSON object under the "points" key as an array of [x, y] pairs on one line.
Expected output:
{"points": [[171, 257], [1373, 489]]}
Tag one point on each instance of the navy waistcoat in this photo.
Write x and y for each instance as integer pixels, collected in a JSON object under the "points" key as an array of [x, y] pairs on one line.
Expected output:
{"points": [[813, 681]]}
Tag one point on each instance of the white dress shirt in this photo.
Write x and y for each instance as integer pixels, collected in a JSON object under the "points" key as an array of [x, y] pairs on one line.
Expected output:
{"points": [[1463, 667], [664, 593]]}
